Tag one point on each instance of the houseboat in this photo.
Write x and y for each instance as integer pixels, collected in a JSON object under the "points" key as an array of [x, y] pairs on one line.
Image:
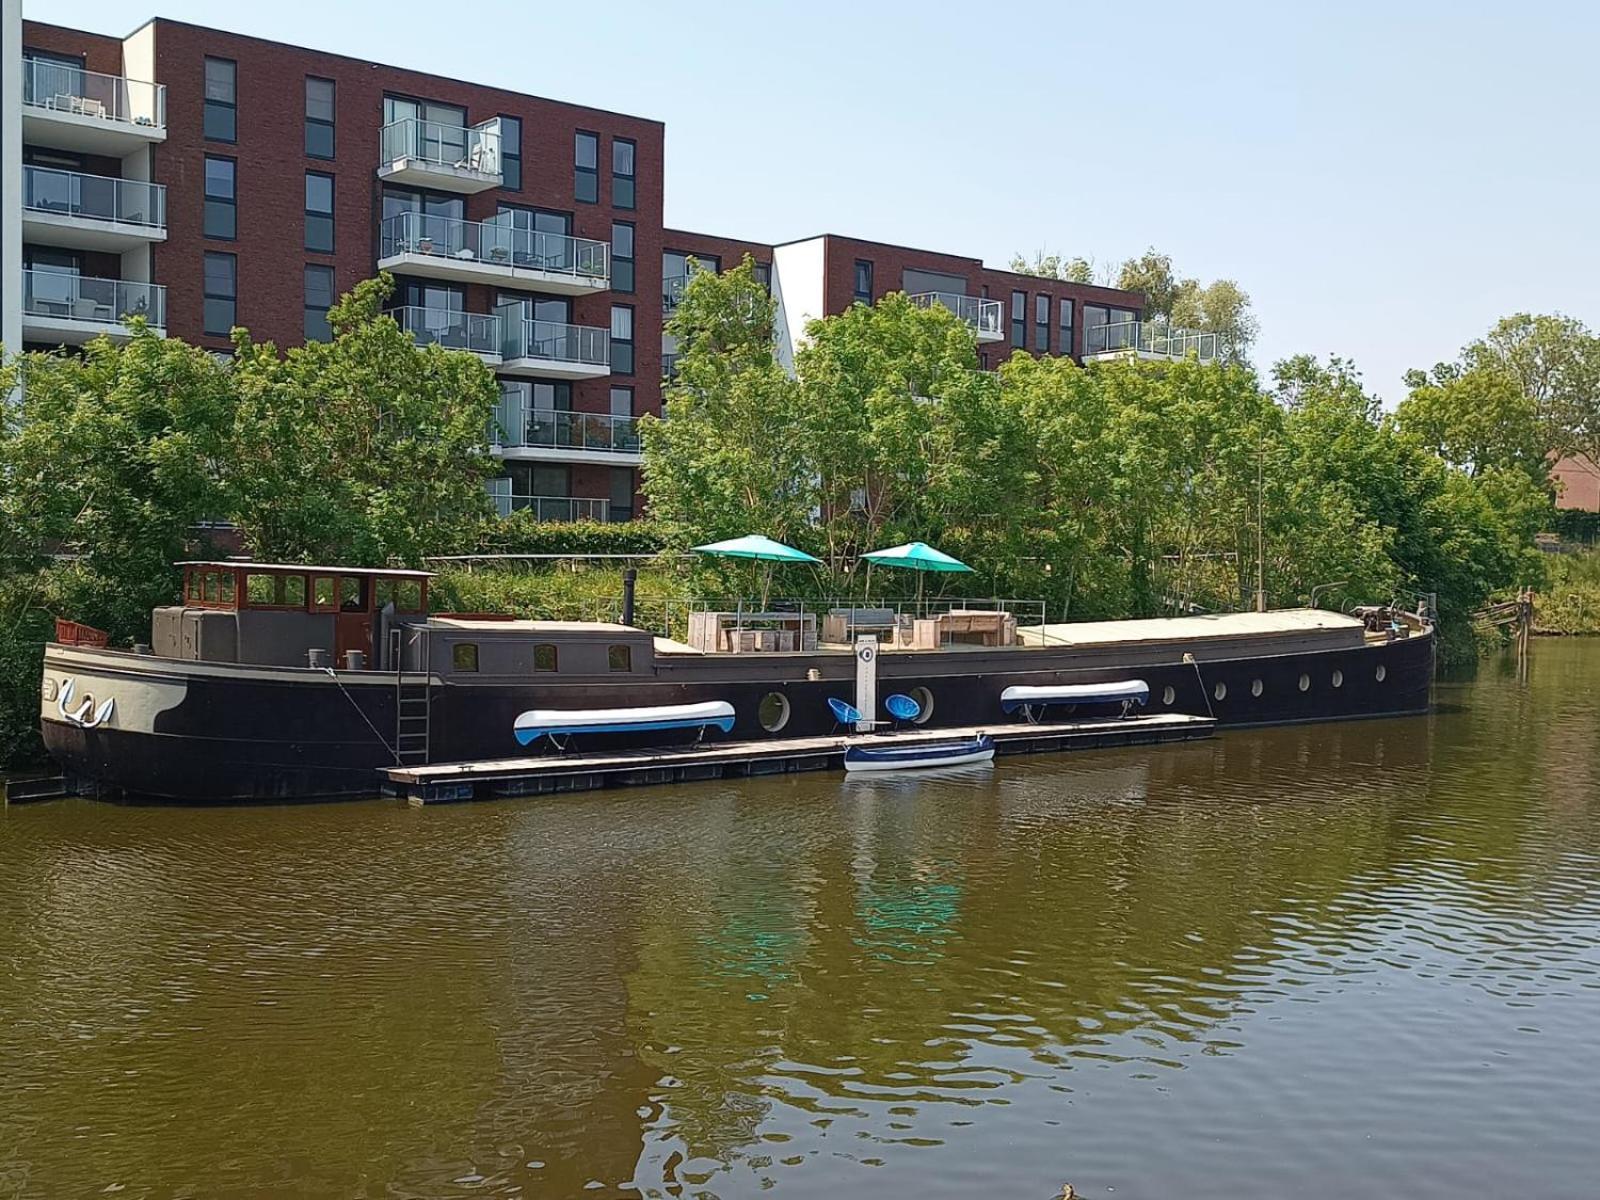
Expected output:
{"points": [[282, 681]]}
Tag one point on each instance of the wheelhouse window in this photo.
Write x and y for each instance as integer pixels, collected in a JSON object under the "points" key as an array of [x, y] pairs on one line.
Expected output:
{"points": [[220, 119], [544, 657], [221, 219], [623, 177], [464, 656], [319, 117], [270, 590], [620, 658], [586, 168], [324, 594], [404, 594]]}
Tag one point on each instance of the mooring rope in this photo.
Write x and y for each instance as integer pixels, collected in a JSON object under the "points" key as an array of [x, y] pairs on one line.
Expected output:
{"points": [[1204, 694], [383, 741]]}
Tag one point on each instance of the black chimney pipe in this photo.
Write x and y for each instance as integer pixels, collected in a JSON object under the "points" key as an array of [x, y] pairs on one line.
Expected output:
{"points": [[629, 578]]}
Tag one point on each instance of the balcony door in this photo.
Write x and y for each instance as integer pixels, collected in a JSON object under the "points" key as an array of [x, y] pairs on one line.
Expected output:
{"points": [[53, 80], [440, 133], [540, 238]]}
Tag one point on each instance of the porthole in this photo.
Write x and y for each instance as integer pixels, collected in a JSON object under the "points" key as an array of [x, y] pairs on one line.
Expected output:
{"points": [[1255, 687], [924, 699], [1220, 691], [1338, 678], [773, 711], [1169, 694], [1305, 682], [1380, 672]]}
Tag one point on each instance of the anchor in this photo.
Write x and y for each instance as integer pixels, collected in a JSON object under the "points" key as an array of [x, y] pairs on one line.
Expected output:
{"points": [[83, 717]]}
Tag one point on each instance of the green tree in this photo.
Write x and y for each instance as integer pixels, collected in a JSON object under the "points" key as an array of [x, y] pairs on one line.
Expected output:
{"points": [[366, 449], [1221, 307], [1054, 266], [1478, 419], [1151, 275]]}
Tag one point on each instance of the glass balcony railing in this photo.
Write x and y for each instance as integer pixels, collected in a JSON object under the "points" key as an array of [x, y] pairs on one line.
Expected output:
{"points": [[580, 345], [476, 332], [1153, 338], [552, 508], [551, 430], [496, 242], [61, 88], [458, 147], [983, 315], [58, 295], [96, 197]]}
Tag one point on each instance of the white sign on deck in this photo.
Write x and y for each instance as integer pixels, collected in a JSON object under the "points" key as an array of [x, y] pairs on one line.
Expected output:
{"points": [[866, 682]]}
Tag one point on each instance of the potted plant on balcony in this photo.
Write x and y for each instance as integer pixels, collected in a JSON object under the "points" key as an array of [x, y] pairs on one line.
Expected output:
{"points": [[425, 245]]}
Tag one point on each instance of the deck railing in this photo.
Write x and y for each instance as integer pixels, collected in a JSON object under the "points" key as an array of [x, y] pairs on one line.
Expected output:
{"points": [[460, 147], [50, 190], [1151, 337], [83, 298], [477, 332], [496, 241], [552, 508], [62, 88], [556, 341], [983, 315], [547, 429]]}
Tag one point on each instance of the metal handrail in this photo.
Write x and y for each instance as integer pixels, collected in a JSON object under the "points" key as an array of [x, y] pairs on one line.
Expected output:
{"points": [[497, 242], [99, 197], [555, 341], [552, 508], [461, 147], [477, 332], [1151, 337], [564, 430], [58, 87], [985, 316], [85, 298]]}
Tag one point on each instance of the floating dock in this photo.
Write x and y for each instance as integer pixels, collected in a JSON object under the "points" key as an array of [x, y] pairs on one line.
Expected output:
{"points": [[439, 783]]}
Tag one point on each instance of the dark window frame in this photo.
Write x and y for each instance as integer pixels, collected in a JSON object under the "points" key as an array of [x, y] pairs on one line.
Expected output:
{"points": [[464, 657], [582, 174], [625, 281], [510, 152], [207, 296], [622, 661], [629, 343], [327, 123], [229, 202], [210, 106], [1019, 320], [1066, 323], [862, 269], [625, 184], [554, 656], [310, 213], [311, 308], [1041, 322]]}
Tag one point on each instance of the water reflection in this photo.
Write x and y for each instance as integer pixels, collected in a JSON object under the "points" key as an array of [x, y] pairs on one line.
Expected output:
{"points": [[1365, 953]]}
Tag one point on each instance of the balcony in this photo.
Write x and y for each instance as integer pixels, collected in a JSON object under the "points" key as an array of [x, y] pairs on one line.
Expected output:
{"points": [[551, 349], [91, 212], [551, 508], [68, 310], [451, 158], [493, 252], [986, 317], [542, 435], [73, 109], [1151, 340], [476, 333]]}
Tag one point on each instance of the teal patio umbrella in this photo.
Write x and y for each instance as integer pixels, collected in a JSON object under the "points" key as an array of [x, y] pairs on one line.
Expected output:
{"points": [[915, 556], [760, 549]]}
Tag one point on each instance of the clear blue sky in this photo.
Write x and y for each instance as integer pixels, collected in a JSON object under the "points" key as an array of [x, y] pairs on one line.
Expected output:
{"points": [[1384, 179]]}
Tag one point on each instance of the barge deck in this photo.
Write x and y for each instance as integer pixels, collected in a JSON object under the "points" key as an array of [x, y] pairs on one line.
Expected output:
{"points": [[438, 783]]}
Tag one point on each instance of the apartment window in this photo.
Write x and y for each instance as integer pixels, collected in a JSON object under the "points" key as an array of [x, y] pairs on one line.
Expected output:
{"points": [[439, 132], [862, 289], [623, 153], [1066, 327], [621, 507], [1019, 319], [221, 293], [1041, 323], [319, 299], [319, 212], [511, 153], [764, 276], [622, 256], [220, 119], [319, 117], [622, 339], [586, 173], [222, 212], [622, 402]]}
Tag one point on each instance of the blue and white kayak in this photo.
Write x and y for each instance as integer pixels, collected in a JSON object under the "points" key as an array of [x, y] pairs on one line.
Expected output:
{"points": [[924, 754], [1122, 691], [557, 722]]}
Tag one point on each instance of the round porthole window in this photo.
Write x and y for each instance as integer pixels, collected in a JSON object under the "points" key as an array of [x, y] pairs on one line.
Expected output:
{"points": [[1255, 687], [1169, 694], [1305, 683], [1220, 691], [1338, 678], [773, 711], [1380, 672], [924, 699]]}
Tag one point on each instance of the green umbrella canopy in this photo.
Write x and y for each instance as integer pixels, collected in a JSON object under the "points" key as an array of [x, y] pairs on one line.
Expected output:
{"points": [[917, 556], [753, 545]]}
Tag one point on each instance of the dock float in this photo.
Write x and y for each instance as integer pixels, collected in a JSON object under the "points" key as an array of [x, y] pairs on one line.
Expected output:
{"points": [[438, 783]]}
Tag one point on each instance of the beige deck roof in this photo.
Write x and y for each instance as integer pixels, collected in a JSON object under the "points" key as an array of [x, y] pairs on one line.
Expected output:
{"points": [[1189, 629], [519, 625]]}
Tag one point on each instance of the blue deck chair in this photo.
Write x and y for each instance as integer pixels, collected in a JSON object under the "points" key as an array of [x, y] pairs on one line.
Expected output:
{"points": [[844, 714], [902, 707]]}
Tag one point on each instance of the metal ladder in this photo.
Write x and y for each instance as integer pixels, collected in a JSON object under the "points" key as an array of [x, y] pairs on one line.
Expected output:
{"points": [[413, 702]]}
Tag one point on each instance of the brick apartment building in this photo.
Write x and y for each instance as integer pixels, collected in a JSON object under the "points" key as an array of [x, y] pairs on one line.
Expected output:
{"points": [[205, 179]]}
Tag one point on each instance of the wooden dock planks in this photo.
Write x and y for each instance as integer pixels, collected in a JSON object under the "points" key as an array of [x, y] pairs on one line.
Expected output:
{"points": [[444, 782]]}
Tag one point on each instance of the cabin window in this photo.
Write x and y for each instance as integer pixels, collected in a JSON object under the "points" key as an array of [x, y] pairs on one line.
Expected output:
{"points": [[544, 657], [294, 591], [213, 588], [773, 711], [324, 594], [924, 699], [1168, 694], [1338, 678], [404, 594], [464, 656], [351, 594], [620, 657], [262, 590], [229, 582]]}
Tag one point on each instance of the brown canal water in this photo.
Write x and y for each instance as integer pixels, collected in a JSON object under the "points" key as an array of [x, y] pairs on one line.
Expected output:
{"points": [[1323, 961]]}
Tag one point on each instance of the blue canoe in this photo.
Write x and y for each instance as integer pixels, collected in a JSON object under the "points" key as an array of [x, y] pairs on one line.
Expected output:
{"points": [[923, 754], [557, 722]]}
